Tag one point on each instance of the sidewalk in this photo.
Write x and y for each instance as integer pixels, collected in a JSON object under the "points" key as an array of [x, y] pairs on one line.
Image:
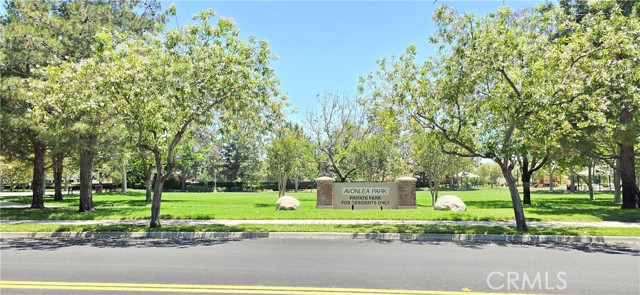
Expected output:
{"points": [[232, 222]]}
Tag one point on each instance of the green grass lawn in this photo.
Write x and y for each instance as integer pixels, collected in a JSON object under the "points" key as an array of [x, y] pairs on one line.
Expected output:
{"points": [[483, 204]]}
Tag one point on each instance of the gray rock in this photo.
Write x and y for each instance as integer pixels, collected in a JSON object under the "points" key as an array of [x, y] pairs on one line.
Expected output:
{"points": [[450, 202], [287, 203]]}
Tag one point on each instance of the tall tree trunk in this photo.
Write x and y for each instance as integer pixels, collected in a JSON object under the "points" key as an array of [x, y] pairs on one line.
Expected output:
{"points": [[433, 198], [1, 180], [148, 175], [297, 184], [162, 177], [526, 180], [147, 184], [589, 180], [526, 187], [521, 224], [155, 205], [183, 181], [433, 189], [58, 159], [617, 195], [282, 185], [86, 171], [527, 169], [630, 192], [551, 180], [572, 186], [159, 184], [37, 184]]}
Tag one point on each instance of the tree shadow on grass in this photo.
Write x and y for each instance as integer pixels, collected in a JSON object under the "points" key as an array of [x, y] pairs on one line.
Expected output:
{"points": [[264, 205], [130, 203], [573, 201], [140, 194], [578, 193], [631, 215], [65, 213], [486, 204], [601, 208]]}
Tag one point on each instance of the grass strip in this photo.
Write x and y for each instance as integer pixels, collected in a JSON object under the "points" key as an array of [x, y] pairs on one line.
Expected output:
{"points": [[365, 228]]}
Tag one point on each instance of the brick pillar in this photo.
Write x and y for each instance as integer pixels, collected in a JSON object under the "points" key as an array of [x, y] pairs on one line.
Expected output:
{"points": [[407, 192], [324, 197]]}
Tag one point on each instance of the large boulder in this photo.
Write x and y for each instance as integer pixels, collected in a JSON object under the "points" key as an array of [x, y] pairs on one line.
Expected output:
{"points": [[287, 203], [450, 202]]}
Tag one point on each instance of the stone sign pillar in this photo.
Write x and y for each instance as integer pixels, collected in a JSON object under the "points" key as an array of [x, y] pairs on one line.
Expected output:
{"points": [[407, 191], [325, 192]]}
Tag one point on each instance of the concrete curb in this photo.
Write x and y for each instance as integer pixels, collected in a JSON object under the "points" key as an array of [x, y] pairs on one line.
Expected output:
{"points": [[528, 239]]}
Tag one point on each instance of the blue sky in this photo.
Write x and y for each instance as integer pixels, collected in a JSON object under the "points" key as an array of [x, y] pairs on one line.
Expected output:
{"points": [[327, 45]]}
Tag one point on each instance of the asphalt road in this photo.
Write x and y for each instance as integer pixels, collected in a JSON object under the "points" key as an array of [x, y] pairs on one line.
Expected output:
{"points": [[322, 266]]}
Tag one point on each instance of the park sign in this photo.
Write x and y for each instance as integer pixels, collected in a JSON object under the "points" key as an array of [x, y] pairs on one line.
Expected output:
{"points": [[366, 195]]}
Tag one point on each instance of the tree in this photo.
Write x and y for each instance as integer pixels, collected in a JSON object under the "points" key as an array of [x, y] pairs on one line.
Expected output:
{"points": [[307, 169], [58, 155], [383, 150], [197, 155], [190, 156], [23, 136], [605, 88], [15, 172], [212, 164], [429, 158], [243, 156], [459, 169], [335, 131], [529, 164], [286, 154], [491, 80], [46, 32], [252, 171], [142, 171], [488, 173], [113, 153], [68, 97], [383, 153], [192, 75]]}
